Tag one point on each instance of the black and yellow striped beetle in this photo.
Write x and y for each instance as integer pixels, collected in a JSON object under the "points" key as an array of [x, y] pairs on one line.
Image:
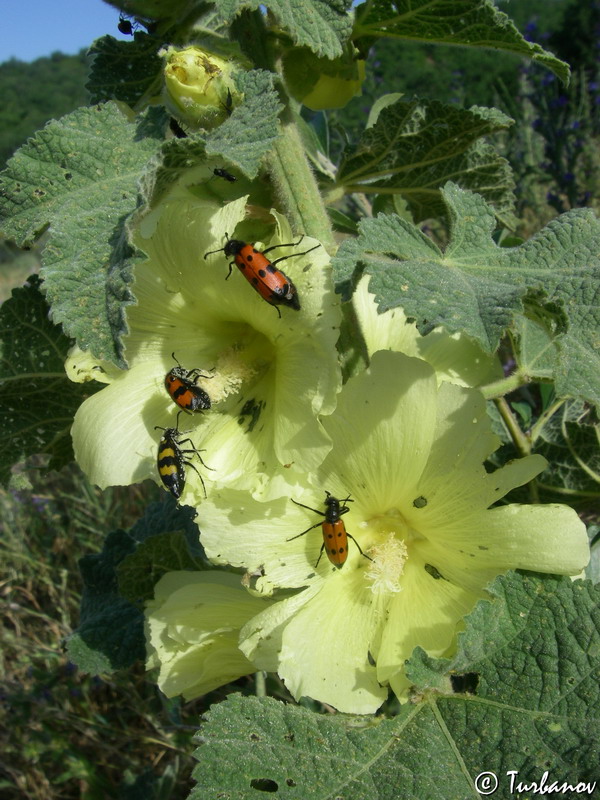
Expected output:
{"points": [[171, 460]]}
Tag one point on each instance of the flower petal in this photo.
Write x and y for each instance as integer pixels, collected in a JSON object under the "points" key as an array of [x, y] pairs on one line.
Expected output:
{"points": [[544, 538], [193, 627], [455, 482], [113, 436], [324, 646], [382, 433], [388, 331], [424, 613], [243, 532]]}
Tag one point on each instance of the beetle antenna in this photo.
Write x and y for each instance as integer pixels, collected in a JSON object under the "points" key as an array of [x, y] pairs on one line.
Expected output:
{"points": [[220, 250]]}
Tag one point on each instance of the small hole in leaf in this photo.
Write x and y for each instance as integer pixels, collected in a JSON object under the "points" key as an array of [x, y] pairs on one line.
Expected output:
{"points": [[465, 684], [254, 737], [264, 785], [290, 782]]}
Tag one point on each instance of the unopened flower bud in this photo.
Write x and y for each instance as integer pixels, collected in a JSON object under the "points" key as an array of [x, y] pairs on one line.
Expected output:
{"points": [[321, 83], [199, 86]]}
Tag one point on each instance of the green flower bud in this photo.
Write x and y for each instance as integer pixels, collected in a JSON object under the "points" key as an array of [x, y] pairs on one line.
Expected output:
{"points": [[321, 83], [199, 86]]}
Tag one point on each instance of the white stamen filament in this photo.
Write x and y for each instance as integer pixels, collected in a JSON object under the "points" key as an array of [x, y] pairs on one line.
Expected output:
{"points": [[231, 372], [389, 557]]}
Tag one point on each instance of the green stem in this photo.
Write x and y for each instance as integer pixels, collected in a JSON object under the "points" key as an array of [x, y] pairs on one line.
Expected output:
{"points": [[296, 188], [521, 440], [544, 418], [260, 683], [503, 386]]}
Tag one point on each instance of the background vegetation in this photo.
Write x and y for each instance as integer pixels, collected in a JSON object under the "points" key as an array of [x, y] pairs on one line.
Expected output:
{"points": [[70, 736]]}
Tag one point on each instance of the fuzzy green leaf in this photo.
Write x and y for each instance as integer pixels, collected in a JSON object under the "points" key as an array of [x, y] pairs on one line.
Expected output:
{"points": [[526, 671], [139, 572], [471, 23], [126, 71], [78, 179], [250, 744], [414, 148], [111, 631], [535, 651], [248, 135], [322, 25], [176, 157], [477, 287], [38, 401], [536, 354], [521, 694], [110, 635], [570, 442]]}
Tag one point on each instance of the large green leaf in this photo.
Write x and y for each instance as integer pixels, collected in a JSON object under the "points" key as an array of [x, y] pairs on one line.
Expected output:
{"points": [[471, 23], [167, 539], [242, 140], [521, 694], [127, 71], [322, 25], [414, 148], [111, 629], [110, 635], [37, 399], [570, 442], [78, 179], [249, 133], [477, 287]]}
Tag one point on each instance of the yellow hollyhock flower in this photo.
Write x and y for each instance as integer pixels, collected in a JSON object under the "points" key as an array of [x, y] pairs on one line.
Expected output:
{"points": [[267, 377], [408, 452]]}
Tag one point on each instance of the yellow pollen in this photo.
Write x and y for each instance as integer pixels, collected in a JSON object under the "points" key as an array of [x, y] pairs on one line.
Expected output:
{"points": [[231, 373], [389, 557]]}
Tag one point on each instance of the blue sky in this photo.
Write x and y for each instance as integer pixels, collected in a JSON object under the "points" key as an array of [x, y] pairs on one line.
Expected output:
{"points": [[40, 27]]}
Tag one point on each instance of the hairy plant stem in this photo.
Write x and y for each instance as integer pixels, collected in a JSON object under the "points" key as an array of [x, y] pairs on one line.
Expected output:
{"points": [[504, 386], [545, 417], [521, 440], [296, 188]]}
